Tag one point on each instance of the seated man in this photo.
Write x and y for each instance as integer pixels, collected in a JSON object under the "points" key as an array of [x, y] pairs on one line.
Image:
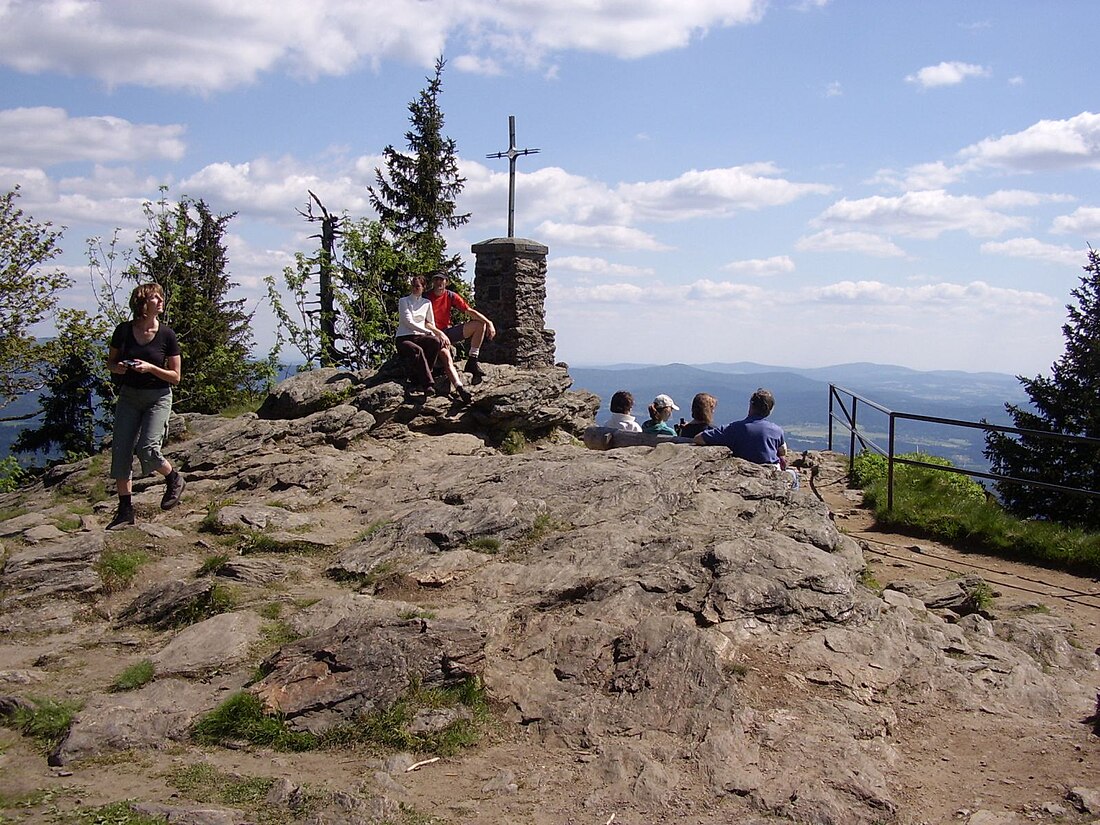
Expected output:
{"points": [[443, 301], [753, 438]]}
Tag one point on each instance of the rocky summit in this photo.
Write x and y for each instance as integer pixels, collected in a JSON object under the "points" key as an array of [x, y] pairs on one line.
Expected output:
{"points": [[653, 634]]}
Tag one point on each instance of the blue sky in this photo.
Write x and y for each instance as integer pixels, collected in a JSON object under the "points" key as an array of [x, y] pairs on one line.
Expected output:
{"points": [[797, 183]]}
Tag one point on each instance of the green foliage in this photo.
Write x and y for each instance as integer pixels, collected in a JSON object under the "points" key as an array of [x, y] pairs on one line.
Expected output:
{"points": [[416, 197], [388, 728], [47, 720], [28, 293], [183, 250], [11, 474], [212, 564], [205, 783], [951, 508], [484, 544], [1068, 402], [135, 676], [77, 384], [514, 443], [117, 567], [116, 813], [242, 717]]}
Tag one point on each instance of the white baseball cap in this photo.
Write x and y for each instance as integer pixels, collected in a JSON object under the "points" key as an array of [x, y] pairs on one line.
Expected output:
{"points": [[663, 400]]}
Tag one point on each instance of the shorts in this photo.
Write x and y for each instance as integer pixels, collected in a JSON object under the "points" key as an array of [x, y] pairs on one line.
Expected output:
{"points": [[455, 334]]}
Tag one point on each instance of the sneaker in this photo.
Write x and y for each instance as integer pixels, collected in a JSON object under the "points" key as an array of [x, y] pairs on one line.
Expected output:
{"points": [[173, 491], [123, 518]]}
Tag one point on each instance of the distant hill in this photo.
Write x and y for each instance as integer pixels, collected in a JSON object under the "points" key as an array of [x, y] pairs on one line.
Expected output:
{"points": [[802, 399]]}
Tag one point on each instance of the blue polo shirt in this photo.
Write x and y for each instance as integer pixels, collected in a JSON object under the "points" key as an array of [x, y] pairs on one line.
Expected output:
{"points": [[753, 439]]}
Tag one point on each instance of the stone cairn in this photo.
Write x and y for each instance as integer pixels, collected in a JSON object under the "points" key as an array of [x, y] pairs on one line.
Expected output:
{"points": [[510, 288]]}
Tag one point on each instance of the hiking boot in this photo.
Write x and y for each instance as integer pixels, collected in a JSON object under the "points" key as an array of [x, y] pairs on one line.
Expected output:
{"points": [[464, 394], [173, 491], [123, 518], [474, 368]]}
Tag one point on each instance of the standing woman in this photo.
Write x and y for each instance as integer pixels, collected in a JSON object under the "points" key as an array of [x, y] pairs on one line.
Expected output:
{"points": [[145, 356], [420, 342]]}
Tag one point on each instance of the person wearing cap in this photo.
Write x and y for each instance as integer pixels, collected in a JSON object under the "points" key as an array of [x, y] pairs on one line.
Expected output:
{"points": [[753, 438], [660, 411], [476, 329]]}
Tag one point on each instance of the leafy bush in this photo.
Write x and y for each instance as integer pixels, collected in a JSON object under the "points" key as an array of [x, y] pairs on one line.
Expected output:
{"points": [[10, 474]]}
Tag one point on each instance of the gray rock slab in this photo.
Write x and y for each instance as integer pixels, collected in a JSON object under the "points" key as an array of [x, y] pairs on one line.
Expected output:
{"points": [[218, 643], [151, 718]]}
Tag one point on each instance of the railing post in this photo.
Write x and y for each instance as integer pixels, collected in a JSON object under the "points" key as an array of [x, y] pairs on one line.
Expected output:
{"points": [[890, 468], [852, 440], [832, 393]]}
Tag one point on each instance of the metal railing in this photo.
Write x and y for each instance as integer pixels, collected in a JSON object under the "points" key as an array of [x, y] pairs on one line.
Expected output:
{"points": [[850, 422]]}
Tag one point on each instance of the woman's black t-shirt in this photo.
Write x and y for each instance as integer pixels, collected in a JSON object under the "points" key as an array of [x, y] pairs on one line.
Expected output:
{"points": [[157, 352]]}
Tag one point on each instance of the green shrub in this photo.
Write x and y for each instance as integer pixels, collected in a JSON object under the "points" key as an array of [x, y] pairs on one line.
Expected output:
{"points": [[10, 474], [514, 443]]}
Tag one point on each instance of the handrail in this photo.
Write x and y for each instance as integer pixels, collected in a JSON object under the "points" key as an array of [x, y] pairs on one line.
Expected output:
{"points": [[850, 423]]}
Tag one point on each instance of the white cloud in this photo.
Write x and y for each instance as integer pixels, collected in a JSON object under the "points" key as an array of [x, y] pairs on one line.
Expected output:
{"points": [[45, 135], [599, 237], [1049, 144], [926, 214], [761, 267], [1084, 221], [210, 45], [599, 267], [715, 192], [834, 89], [961, 297], [1035, 250], [863, 242], [948, 73]]}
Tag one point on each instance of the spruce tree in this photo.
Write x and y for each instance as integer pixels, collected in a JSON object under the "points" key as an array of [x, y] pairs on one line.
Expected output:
{"points": [[183, 251], [415, 197], [1068, 402], [76, 385]]}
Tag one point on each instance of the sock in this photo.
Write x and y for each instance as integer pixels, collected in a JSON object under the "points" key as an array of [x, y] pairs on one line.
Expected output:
{"points": [[125, 500], [172, 476], [473, 353]]}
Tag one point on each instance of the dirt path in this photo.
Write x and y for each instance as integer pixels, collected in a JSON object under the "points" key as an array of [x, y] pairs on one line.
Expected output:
{"points": [[892, 557]]}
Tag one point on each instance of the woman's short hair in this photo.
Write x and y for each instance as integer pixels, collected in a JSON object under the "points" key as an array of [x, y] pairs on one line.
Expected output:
{"points": [[762, 402], [141, 294], [702, 407], [622, 402], [418, 279]]}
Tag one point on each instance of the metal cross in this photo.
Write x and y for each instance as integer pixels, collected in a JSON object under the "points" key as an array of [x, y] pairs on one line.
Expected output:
{"points": [[512, 154]]}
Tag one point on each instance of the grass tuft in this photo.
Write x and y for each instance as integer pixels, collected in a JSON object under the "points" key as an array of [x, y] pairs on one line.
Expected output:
{"points": [[135, 676], [46, 721], [242, 717], [117, 568]]}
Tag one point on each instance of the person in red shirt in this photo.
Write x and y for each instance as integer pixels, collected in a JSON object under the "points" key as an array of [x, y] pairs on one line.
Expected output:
{"points": [[476, 329]]}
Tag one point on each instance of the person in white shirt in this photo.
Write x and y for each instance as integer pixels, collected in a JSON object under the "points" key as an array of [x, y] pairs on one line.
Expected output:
{"points": [[622, 403], [420, 342]]}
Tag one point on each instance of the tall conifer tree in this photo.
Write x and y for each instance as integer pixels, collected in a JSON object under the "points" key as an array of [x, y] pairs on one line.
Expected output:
{"points": [[415, 197], [1067, 402]]}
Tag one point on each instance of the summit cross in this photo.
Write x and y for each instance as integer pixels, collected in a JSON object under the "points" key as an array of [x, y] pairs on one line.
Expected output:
{"points": [[512, 154]]}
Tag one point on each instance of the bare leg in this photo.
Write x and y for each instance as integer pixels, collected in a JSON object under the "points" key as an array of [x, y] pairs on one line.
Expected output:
{"points": [[475, 331], [449, 365]]}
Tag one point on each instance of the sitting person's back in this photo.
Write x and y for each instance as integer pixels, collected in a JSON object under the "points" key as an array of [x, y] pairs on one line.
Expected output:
{"points": [[660, 411], [702, 415], [622, 403], [753, 438]]}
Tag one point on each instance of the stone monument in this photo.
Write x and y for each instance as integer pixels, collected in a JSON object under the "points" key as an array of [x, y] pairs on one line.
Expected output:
{"points": [[510, 285]]}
